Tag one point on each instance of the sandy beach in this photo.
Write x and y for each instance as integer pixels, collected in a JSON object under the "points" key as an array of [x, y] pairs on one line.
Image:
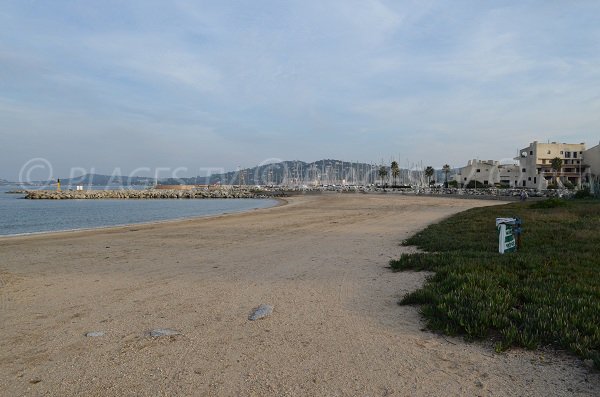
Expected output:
{"points": [[321, 261]]}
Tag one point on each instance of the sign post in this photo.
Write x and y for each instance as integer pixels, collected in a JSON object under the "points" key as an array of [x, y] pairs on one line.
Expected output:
{"points": [[507, 228]]}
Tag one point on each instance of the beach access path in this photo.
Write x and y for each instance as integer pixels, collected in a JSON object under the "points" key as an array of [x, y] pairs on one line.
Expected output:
{"points": [[320, 261]]}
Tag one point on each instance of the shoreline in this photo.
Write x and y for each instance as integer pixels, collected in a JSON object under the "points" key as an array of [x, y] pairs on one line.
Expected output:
{"points": [[278, 202]]}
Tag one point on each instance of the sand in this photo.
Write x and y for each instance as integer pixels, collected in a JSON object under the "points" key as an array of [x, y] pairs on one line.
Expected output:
{"points": [[320, 261]]}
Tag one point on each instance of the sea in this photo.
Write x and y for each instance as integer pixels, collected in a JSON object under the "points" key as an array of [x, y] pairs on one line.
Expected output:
{"points": [[20, 216]]}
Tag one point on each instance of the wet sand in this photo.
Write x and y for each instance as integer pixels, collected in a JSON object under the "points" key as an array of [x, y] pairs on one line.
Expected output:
{"points": [[321, 261]]}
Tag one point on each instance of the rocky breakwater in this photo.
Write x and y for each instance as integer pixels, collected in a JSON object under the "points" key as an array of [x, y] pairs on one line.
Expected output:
{"points": [[144, 194]]}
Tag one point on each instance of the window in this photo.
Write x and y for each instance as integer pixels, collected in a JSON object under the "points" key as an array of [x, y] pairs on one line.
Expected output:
{"points": [[549, 152], [465, 179], [478, 170], [567, 155], [524, 183], [544, 161], [534, 179], [529, 178], [561, 152], [574, 155], [485, 182], [523, 170], [531, 152]]}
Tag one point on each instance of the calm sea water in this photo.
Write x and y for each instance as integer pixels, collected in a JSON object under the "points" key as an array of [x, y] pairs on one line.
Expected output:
{"points": [[19, 216]]}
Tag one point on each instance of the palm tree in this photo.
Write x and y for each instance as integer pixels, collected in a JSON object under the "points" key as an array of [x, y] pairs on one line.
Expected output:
{"points": [[446, 170], [383, 172], [557, 164], [429, 173], [395, 170]]}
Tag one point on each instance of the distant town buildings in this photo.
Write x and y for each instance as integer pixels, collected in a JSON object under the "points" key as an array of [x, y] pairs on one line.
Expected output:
{"points": [[533, 167]]}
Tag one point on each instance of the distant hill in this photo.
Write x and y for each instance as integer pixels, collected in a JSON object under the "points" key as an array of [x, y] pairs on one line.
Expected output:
{"points": [[289, 172], [106, 180], [323, 172]]}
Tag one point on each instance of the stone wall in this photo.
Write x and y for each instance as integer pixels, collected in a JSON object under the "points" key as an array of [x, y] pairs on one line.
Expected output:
{"points": [[142, 194]]}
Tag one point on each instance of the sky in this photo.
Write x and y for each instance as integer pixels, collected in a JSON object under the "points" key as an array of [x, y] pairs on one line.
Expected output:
{"points": [[141, 86]]}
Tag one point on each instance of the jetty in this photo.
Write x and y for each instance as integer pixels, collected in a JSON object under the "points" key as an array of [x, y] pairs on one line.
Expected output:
{"points": [[237, 193]]}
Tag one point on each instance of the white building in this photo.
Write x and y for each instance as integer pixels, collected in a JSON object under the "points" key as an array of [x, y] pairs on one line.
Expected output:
{"points": [[488, 173], [509, 175], [479, 171], [535, 162], [534, 169], [591, 159]]}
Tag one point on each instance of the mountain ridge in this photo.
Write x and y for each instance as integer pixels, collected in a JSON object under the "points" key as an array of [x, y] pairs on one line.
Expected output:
{"points": [[289, 172]]}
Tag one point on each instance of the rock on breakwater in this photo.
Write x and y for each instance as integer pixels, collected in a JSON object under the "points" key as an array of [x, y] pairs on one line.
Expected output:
{"points": [[144, 194]]}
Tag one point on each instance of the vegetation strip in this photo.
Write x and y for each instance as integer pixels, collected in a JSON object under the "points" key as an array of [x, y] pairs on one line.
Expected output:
{"points": [[547, 293]]}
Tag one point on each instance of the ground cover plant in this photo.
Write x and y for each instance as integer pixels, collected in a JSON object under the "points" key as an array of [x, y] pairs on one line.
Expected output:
{"points": [[548, 293]]}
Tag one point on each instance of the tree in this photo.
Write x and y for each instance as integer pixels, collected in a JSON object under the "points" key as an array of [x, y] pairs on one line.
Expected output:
{"points": [[557, 164], [383, 172], [395, 170], [429, 173], [446, 170]]}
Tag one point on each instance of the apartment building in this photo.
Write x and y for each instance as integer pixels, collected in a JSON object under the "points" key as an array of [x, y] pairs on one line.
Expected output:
{"points": [[488, 173], [591, 160], [535, 163]]}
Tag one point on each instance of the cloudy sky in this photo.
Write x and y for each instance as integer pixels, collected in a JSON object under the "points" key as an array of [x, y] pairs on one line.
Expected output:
{"points": [[128, 84]]}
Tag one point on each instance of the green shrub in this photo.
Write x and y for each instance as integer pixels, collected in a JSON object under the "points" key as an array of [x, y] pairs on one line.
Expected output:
{"points": [[547, 293], [549, 203], [476, 184], [583, 193]]}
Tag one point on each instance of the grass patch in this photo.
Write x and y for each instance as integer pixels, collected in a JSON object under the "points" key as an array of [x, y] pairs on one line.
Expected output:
{"points": [[548, 293], [549, 203]]}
